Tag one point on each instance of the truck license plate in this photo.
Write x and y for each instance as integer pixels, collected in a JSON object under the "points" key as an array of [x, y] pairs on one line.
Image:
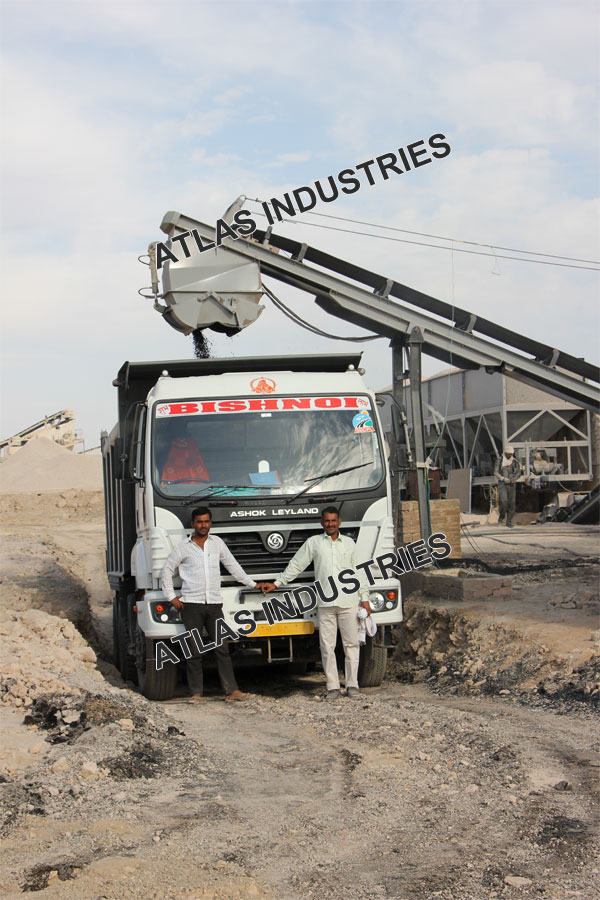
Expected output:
{"points": [[284, 628]]}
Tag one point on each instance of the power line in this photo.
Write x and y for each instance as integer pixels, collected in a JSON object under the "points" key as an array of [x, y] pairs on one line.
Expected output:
{"points": [[383, 237], [456, 240], [442, 238]]}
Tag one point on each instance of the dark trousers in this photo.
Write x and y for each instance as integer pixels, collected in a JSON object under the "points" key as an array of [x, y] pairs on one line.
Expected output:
{"points": [[507, 500], [198, 615]]}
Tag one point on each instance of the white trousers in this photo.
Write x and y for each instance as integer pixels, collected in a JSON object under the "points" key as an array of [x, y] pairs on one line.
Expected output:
{"points": [[330, 619]]}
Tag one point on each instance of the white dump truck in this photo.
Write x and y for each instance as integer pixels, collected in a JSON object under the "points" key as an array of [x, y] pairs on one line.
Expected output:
{"points": [[266, 444]]}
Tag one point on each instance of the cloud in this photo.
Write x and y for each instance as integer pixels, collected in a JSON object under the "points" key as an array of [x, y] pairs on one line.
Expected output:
{"points": [[285, 158], [518, 103], [115, 113]]}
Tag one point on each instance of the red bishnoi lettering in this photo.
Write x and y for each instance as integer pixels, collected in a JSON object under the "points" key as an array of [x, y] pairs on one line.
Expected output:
{"points": [[181, 409], [328, 402], [232, 405], [263, 404], [295, 403]]}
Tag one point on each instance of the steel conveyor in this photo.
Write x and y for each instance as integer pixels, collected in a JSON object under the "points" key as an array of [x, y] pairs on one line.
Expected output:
{"points": [[357, 295]]}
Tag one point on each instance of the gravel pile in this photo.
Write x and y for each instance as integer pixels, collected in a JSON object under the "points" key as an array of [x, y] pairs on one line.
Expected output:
{"points": [[43, 465], [42, 653]]}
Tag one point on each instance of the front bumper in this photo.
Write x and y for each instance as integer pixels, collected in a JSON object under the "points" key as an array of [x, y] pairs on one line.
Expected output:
{"points": [[236, 598]]}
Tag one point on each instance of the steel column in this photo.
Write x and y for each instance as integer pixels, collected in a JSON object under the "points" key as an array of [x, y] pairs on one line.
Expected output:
{"points": [[397, 404], [415, 346]]}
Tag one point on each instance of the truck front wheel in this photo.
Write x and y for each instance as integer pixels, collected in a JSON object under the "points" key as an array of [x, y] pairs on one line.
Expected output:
{"points": [[154, 684], [372, 664]]}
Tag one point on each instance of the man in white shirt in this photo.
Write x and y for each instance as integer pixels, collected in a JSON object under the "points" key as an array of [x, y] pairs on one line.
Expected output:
{"points": [[331, 553], [198, 559]]}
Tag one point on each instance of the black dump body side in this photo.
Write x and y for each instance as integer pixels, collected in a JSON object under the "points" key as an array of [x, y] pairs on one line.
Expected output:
{"points": [[118, 509]]}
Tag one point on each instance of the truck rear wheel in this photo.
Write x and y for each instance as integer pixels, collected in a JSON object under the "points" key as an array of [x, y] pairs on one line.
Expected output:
{"points": [[372, 664], [126, 660], [115, 632], [154, 684]]}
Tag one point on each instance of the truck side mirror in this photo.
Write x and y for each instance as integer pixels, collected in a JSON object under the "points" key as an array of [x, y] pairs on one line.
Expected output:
{"points": [[136, 456]]}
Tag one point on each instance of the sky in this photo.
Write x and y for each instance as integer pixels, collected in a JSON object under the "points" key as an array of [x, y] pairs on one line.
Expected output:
{"points": [[116, 112]]}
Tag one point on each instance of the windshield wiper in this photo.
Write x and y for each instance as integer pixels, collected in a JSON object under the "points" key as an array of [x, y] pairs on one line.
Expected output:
{"points": [[182, 481], [319, 478], [216, 488]]}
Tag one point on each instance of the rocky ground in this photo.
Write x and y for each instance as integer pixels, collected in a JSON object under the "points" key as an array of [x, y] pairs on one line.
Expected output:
{"points": [[471, 773]]}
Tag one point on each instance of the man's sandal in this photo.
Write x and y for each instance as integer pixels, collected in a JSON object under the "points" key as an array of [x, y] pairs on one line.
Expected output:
{"points": [[237, 695]]}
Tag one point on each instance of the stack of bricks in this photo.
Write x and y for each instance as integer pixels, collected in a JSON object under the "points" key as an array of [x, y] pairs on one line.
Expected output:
{"points": [[466, 589], [445, 517]]}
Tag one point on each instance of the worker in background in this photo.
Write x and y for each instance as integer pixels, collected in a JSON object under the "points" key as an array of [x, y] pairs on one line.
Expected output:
{"points": [[507, 472], [331, 552], [198, 559]]}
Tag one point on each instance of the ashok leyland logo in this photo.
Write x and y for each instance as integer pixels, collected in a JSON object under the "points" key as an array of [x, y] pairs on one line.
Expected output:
{"points": [[263, 385], [275, 541]]}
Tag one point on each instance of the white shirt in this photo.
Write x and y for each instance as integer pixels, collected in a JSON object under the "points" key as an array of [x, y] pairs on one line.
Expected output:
{"points": [[200, 570], [330, 558]]}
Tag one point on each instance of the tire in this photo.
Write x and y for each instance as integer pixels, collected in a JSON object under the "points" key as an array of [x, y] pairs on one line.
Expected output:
{"points": [[126, 664], [154, 684], [372, 664], [115, 631]]}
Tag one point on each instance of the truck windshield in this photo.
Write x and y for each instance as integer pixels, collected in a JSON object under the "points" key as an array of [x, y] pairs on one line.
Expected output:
{"points": [[265, 446]]}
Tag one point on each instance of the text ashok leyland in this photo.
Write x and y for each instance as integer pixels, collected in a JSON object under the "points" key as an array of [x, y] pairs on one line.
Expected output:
{"points": [[307, 511]]}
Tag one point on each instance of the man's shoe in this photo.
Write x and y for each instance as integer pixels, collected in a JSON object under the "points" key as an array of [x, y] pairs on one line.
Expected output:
{"points": [[509, 525], [352, 692], [333, 695]]}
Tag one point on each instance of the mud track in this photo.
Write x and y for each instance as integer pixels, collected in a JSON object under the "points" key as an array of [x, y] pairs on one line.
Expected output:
{"points": [[406, 794]]}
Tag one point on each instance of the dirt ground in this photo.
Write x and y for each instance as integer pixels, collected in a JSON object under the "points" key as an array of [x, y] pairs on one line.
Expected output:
{"points": [[472, 773]]}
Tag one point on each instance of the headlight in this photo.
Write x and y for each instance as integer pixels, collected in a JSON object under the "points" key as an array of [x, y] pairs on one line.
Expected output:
{"points": [[377, 602], [164, 611], [383, 600]]}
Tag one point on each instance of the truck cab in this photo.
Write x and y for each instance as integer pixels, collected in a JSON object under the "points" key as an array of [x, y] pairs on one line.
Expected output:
{"points": [[266, 444]]}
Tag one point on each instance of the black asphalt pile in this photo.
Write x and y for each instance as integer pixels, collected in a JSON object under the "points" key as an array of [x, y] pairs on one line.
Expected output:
{"points": [[457, 654]]}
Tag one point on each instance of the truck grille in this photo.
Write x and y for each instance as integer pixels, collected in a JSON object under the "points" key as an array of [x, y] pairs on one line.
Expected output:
{"points": [[250, 550]]}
